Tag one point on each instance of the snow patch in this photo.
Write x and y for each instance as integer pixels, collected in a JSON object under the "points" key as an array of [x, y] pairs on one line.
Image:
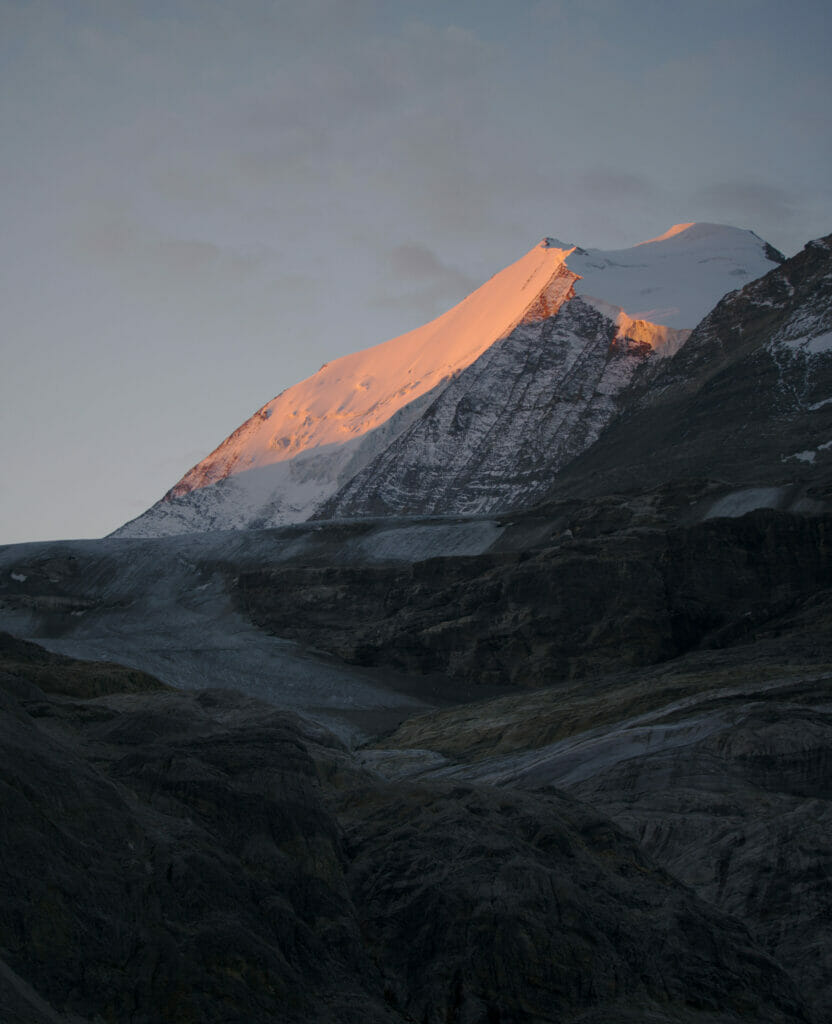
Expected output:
{"points": [[417, 543], [738, 503], [675, 279], [677, 229], [813, 346], [18, 577], [665, 341]]}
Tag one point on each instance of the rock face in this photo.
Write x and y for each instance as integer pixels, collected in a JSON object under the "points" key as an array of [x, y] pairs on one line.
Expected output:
{"points": [[747, 402], [496, 435], [186, 857], [591, 595], [476, 410], [718, 764]]}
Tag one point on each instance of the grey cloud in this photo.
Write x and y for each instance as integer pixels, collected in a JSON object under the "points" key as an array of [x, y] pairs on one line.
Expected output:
{"points": [[107, 238], [751, 200], [409, 260], [421, 284], [611, 185]]}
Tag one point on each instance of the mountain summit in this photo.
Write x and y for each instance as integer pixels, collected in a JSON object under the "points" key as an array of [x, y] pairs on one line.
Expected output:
{"points": [[538, 352]]}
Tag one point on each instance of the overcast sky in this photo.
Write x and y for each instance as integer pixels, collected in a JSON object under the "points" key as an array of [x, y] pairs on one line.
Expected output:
{"points": [[204, 201]]}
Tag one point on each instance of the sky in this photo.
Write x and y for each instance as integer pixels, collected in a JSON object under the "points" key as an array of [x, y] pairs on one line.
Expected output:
{"points": [[203, 202]]}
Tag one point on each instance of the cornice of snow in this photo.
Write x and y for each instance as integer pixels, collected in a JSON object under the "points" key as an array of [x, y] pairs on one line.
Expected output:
{"points": [[665, 341], [677, 229]]}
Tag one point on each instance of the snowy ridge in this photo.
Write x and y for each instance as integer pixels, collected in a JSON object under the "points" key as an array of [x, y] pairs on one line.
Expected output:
{"points": [[298, 449], [677, 278], [353, 395], [313, 441]]}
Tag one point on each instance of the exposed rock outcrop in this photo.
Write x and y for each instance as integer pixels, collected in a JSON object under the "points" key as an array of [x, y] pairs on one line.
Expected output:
{"points": [[606, 591]]}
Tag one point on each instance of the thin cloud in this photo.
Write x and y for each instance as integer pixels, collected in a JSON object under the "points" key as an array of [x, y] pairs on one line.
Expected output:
{"points": [[609, 185], [751, 201], [420, 283], [134, 245]]}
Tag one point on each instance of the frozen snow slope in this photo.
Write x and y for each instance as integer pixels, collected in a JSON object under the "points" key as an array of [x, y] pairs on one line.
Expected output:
{"points": [[677, 278], [303, 447], [296, 450]]}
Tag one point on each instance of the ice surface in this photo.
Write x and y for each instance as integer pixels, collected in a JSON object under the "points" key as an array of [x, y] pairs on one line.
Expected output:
{"points": [[739, 502], [677, 278], [166, 606], [416, 543], [812, 345]]}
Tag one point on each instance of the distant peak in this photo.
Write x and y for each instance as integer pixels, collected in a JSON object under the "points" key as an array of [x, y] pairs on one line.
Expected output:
{"points": [[555, 243], [677, 229], [699, 231]]}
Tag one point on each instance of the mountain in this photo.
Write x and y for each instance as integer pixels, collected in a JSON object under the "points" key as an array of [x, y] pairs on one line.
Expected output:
{"points": [[571, 763], [534, 358], [635, 555], [746, 404]]}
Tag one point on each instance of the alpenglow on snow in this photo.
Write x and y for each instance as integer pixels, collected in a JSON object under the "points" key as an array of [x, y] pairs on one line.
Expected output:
{"points": [[476, 410]]}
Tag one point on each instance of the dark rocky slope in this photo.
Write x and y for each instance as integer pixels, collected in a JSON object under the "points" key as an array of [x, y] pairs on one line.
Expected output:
{"points": [[202, 857], [55, 673], [718, 763], [604, 587]]}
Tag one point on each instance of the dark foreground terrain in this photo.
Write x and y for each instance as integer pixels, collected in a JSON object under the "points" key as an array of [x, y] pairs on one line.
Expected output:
{"points": [[204, 857]]}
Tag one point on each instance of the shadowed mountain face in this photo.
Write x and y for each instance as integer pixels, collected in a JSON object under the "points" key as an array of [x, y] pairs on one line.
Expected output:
{"points": [[605, 586], [187, 857], [718, 764]]}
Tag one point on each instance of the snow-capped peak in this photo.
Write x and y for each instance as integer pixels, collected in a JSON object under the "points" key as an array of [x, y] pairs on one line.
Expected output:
{"points": [[677, 229], [555, 243], [676, 278], [304, 445], [355, 394]]}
